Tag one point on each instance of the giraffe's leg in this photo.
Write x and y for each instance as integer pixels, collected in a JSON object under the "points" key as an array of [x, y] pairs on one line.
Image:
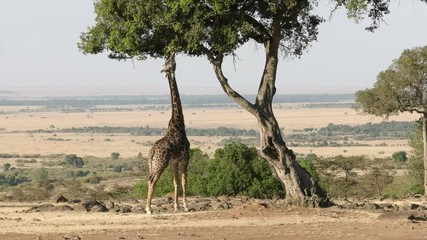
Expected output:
{"points": [[184, 182], [151, 184], [175, 184]]}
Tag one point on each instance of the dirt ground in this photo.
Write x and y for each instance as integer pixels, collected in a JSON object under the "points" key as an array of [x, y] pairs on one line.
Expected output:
{"points": [[248, 221]]}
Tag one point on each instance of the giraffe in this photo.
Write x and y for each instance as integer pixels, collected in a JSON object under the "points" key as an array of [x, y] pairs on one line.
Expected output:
{"points": [[174, 147]]}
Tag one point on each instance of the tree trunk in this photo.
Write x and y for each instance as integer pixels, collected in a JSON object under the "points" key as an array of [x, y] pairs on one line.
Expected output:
{"points": [[300, 187], [424, 122]]}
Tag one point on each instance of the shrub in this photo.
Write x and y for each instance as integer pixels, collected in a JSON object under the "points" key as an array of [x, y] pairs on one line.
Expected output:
{"points": [[235, 170], [115, 155], [163, 186], [308, 164], [13, 178], [74, 160], [117, 169], [239, 170], [399, 188], [93, 179], [416, 162], [6, 167], [338, 175], [400, 156]]}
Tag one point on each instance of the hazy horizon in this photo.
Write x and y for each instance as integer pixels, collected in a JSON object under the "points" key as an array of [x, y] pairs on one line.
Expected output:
{"points": [[39, 55]]}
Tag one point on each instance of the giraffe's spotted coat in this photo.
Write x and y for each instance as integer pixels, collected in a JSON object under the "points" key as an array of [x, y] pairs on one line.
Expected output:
{"points": [[174, 148]]}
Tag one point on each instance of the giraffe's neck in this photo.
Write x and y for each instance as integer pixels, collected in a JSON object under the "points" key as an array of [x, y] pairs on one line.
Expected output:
{"points": [[177, 114], [176, 122]]}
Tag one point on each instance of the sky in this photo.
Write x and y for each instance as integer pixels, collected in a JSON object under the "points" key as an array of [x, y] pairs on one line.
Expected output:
{"points": [[39, 55]]}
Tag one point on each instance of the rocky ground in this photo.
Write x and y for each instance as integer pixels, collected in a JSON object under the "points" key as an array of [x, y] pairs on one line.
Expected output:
{"points": [[212, 218]]}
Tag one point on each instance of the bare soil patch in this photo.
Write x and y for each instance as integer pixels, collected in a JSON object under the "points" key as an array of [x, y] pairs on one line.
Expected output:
{"points": [[252, 219]]}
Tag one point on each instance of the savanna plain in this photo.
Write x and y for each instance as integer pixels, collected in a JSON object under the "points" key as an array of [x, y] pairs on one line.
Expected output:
{"points": [[36, 137]]}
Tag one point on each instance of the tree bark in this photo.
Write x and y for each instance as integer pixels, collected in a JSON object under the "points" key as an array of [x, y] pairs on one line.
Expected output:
{"points": [[300, 187], [424, 122]]}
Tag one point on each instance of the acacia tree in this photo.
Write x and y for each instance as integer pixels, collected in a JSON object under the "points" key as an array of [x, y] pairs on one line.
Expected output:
{"points": [[375, 9], [400, 88], [216, 29]]}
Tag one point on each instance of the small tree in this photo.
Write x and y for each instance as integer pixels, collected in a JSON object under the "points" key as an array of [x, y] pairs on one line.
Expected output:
{"points": [[338, 175], [215, 29], [378, 176], [400, 156], [400, 88], [6, 167], [115, 155], [74, 160]]}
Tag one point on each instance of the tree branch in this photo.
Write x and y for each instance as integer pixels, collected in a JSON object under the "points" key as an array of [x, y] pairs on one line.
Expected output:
{"points": [[264, 34], [235, 96]]}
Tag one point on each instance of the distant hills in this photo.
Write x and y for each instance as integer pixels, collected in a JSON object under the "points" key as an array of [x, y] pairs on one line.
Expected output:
{"points": [[165, 99], [5, 92]]}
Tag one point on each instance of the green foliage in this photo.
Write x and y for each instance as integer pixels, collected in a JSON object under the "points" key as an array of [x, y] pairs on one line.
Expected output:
{"points": [[74, 160], [6, 167], [377, 178], [345, 135], [308, 164], [357, 177], [375, 9], [13, 178], [416, 162], [28, 192], [399, 187], [235, 170], [400, 88], [239, 170], [115, 155], [142, 28], [197, 164], [400, 156], [338, 176], [163, 186], [76, 173], [149, 131], [40, 177], [93, 179]]}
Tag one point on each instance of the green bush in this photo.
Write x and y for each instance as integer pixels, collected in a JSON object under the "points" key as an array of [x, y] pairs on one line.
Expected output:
{"points": [[6, 167], [399, 188], [400, 156], [93, 179], [163, 186], [416, 162], [339, 175], [308, 164], [235, 170], [239, 170], [13, 178], [74, 160], [115, 155]]}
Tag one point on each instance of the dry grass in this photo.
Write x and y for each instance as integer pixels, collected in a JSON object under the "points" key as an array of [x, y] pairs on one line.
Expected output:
{"points": [[13, 120]]}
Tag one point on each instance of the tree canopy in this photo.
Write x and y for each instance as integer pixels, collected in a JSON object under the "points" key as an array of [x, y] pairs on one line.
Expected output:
{"points": [[400, 88], [374, 9], [141, 28], [215, 29]]}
